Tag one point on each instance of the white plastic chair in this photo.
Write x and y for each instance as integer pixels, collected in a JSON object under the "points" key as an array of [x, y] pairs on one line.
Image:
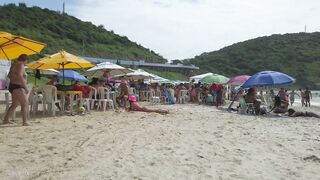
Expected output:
{"points": [[245, 108], [89, 102], [133, 92], [49, 99], [104, 100], [182, 96]]}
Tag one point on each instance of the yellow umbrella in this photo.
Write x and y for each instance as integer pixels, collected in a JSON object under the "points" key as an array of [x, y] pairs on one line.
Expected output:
{"points": [[61, 60], [11, 46]]}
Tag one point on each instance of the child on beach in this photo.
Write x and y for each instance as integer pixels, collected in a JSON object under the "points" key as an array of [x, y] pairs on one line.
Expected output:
{"points": [[134, 106], [291, 96]]}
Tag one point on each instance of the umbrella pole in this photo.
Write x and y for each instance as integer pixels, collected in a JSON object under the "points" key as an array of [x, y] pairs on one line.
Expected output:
{"points": [[63, 73], [35, 79]]}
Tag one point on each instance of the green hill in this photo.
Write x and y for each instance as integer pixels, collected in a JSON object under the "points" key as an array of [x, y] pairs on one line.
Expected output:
{"points": [[71, 34], [295, 54]]}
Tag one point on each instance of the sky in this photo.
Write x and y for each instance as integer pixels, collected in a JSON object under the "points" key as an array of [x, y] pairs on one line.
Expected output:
{"points": [[180, 29]]}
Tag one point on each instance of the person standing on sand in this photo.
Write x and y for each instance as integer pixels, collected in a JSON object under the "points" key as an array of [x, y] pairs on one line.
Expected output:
{"points": [[302, 95], [18, 89], [291, 96], [308, 96]]}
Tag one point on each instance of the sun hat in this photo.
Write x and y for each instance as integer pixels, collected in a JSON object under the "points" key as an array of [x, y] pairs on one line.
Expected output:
{"points": [[132, 99]]}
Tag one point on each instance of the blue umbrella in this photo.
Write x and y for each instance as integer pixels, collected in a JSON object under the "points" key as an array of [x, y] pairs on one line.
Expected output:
{"points": [[268, 78], [71, 75]]}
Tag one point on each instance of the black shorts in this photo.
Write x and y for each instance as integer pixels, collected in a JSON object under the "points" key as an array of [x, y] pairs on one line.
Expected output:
{"points": [[12, 87]]}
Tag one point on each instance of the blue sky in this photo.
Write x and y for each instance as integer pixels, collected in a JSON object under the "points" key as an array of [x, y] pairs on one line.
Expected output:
{"points": [[179, 29]]}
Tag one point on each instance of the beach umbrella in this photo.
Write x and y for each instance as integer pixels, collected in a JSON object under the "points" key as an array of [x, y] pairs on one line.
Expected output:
{"points": [[11, 46], [238, 80], [136, 75], [38, 72], [43, 71], [214, 78], [198, 77], [158, 79], [110, 68], [268, 78], [61, 60], [71, 75]]}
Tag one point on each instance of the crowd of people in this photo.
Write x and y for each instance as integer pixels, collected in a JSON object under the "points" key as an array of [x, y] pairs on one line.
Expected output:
{"points": [[127, 93], [279, 102]]}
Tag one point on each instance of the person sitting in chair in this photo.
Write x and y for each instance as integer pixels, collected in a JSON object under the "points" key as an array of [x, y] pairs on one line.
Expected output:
{"points": [[124, 94], [280, 106], [251, 97]]}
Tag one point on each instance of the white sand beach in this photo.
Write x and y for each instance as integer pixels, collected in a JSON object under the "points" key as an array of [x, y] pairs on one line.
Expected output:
{"points": [[192, 142]]}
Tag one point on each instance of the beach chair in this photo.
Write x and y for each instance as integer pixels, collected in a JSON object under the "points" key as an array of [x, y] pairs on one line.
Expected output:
{"points": [[133, 92], [245, 108], [88, 102], [50, 99], [182, 96], [104, 100]]}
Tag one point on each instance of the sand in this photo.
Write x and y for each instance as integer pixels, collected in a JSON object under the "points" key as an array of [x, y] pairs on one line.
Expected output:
{"points": [[192, 142]]}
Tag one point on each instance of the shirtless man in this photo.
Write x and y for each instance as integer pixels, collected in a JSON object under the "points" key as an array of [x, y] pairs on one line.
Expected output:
{"points": [[18, 89], [308, 96], [124, 94]]}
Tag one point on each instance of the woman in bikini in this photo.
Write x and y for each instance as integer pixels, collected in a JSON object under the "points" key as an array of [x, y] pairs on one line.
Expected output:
{"points": [[134, 106], [18, 89]]}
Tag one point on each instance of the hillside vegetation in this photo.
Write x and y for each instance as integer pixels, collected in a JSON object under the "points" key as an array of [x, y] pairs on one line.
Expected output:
{"points": [[295, 54], [71, 34]]}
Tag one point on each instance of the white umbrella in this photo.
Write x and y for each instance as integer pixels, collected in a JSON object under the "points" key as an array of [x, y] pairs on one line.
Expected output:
{"points": [[158, 79], [136, 75], [43, 71], [110, 68]]}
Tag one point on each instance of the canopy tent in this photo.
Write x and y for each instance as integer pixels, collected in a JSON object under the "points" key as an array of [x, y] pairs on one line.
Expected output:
{"points": [[110, 68], [198, 77], [214, 78], [11, 46]]}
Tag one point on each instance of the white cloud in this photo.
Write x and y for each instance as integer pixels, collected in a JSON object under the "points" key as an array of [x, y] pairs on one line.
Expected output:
{"points": [[185, 28]]}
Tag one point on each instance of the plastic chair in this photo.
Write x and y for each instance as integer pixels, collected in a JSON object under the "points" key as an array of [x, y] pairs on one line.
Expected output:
{"points": [[89, 101], [104, 100], [49, 99], [182, 96], [245, 108]]}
